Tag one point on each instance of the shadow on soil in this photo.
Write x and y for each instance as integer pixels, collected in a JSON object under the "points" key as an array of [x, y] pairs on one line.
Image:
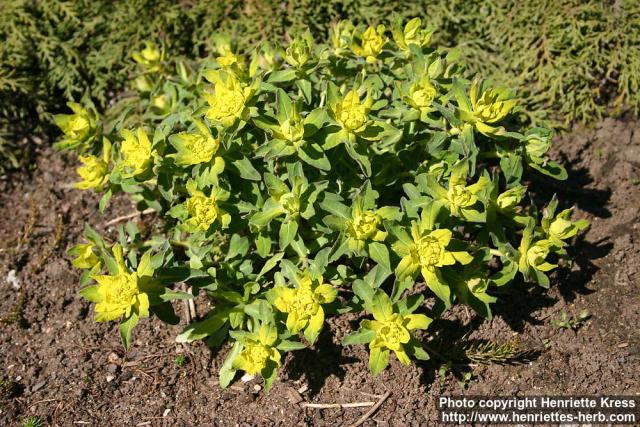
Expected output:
{"points": [[319, 362]]}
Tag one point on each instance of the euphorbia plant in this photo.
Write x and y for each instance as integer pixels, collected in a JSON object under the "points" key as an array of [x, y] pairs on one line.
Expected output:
{"points": [[315, 180]]}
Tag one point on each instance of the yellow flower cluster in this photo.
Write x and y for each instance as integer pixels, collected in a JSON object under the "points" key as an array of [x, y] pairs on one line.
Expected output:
{"points": [[95, 170], [351, 113], [136, 152], [303, 304], [228, 102], [258, 351], [119, 295], [371, 44]]}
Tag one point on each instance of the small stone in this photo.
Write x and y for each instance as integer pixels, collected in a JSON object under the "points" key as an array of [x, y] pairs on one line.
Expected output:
{"points": [[257, 387], [110, 378], [38, 386], [293, 396], [13, 280], [113, 358], [166, 412], [246, 378]]}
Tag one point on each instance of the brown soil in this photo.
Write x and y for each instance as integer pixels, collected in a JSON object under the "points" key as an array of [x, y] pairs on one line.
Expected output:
{"points": [[61, 366]]}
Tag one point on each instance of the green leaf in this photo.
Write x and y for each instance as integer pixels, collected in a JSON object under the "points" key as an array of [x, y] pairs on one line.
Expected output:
{"points": [[288, 232], [263, 245], [363, 291], [460, 93], [362, 159], [305, 87], [314, 121], [90, 293], [269, 374], [282, 76], [376, 276], [204, 328], [126, 327], [332, 204], [270, 264], [378, 360], [144, 267], [380, 254], [246, 169], [227, 372], [381, 306], [286, 345], [361, 336], [238, 247], [171, 275], [511, 166], [104, 200], [313, 155], [442, 290], [550, 168], [165, 313], [284, 105], [170, 295]]}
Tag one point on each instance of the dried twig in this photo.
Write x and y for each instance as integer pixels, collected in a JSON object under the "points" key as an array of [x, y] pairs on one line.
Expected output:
{"points": [[43, 401], [337, 405], [191, 305], [371, 411], [185, 303], [130, 216]]}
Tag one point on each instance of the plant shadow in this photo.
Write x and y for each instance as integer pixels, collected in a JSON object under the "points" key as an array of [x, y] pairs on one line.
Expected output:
{"points": [[316, 364]]}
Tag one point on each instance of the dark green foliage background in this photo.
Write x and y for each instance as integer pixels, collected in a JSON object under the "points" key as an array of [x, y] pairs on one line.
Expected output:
{"points": [[572, 59]]}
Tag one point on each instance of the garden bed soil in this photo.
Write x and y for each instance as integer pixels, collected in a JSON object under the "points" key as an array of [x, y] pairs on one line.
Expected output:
{"points": [[59, 365]]}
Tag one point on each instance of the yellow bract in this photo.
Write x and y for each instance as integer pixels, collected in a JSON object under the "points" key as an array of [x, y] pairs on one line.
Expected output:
{"points": [[562, 228], [94, 173], [150, 57], [298, 53], [371, 44], [85, 258], [537, 253], [351, 113], [304, 303], [228, 100], [412, 34], [292, 128], [119, 295], [77, 127], [510, 198], [290, 203], [489, 106], [94, 170], [393, 329], [391, 333], [194, 148], [428, 252], [228, 59], [364, 226], [460, 196], [204, 211], [136, 152], [254, 357], [536, 147], [341, 34], [258, 349], [421, 94]]}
